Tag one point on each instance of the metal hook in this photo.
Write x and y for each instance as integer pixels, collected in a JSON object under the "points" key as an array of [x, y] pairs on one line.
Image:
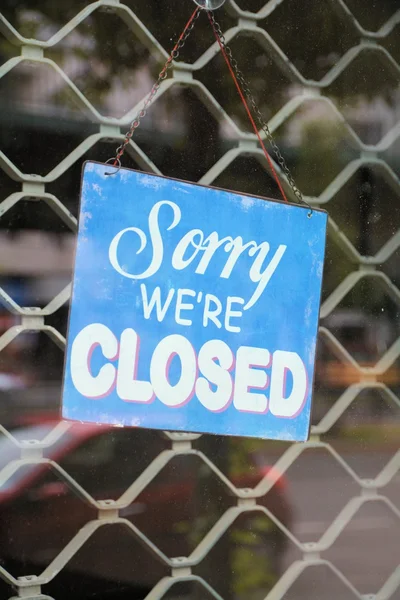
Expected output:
{"points": [[209, 4], [117, 167]]}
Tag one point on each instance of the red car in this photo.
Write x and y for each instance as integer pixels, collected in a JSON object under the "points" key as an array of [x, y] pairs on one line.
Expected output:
{"points": [[40, 513]]}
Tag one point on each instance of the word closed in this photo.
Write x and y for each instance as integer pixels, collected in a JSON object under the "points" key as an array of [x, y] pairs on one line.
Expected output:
{"points": [[213, 366], [193, 309]]}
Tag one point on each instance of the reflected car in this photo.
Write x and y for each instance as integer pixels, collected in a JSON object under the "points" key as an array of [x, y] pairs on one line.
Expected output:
{"points": [[41, 513]]}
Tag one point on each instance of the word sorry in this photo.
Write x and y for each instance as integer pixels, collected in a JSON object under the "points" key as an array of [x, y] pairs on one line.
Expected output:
{"points": [[216, 376], [195, 243]]}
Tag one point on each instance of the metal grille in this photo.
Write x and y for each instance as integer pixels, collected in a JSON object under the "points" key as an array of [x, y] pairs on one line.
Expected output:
{"points": [[33, 187]]}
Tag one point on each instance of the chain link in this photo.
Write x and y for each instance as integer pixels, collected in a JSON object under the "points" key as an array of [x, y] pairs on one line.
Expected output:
{"points": [[245, 87], [263, 124], [162, 75]]}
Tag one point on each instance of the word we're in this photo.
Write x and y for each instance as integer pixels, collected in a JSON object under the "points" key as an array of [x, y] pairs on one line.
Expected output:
{"points": [[213, 311]]}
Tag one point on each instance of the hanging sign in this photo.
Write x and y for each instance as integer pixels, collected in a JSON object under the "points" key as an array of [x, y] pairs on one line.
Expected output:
{"points": [[193, 309]]}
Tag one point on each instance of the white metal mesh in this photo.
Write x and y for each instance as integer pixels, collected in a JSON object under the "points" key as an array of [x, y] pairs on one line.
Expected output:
{"points": [[33, 186]]}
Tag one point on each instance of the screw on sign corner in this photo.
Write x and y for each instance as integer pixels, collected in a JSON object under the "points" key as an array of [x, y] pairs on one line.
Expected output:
{"points": [[209, 4]]}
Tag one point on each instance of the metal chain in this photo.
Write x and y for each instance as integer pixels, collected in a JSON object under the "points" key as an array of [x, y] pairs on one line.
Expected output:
{"points": [[162, 75], [246, 90], [263, 124]]}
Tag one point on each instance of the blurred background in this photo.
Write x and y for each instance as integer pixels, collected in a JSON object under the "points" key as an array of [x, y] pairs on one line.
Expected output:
{"points": [[326, 75]]}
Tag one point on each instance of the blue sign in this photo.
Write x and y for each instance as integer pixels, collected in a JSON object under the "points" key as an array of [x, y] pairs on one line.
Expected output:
{"points": [[193, 309]]}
